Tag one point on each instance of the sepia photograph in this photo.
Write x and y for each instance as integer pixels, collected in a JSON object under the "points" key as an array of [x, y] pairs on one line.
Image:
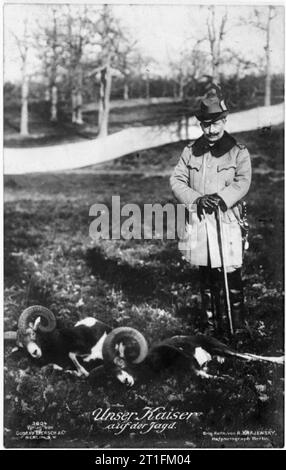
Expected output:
{"points": [[143, 225]]}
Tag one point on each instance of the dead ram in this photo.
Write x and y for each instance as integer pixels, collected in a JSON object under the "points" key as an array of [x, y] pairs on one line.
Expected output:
{"points": [[89, 339], [121, 350]]}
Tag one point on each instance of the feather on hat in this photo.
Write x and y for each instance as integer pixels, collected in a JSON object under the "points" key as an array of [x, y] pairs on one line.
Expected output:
{"points": [[212, 107]]}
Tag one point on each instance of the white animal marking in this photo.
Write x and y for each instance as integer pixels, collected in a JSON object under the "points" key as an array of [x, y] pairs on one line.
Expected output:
{"points": [[36, 324], [202, 356], [88, 321], [96, 351], [80, 370], [220, 359], [34, 350], [120, 348], [205, 375], [73, 372], [125, 378], [56, 367]]}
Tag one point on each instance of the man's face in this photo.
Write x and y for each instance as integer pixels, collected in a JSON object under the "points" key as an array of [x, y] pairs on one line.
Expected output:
{"points": [[213, 131]]}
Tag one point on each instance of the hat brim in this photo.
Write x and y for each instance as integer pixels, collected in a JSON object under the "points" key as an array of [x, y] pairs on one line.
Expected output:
{"points": [[211, 117]]}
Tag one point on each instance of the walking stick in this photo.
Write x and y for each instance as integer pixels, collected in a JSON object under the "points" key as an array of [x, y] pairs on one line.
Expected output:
{"points": [[222, 254]]}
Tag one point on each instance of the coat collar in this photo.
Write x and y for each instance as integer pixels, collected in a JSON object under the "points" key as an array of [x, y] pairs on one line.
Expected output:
{"points": [[221, 147]]}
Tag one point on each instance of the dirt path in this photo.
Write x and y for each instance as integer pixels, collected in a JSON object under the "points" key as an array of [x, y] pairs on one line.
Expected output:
{"points": [[130, 103], [80, 154]]}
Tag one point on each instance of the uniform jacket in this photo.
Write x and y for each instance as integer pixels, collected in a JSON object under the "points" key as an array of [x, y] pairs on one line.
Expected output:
{"points": [[225, 169]]}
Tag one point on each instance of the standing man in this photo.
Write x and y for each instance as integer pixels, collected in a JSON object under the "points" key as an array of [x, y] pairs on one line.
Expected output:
{"points": [[210, 179]]}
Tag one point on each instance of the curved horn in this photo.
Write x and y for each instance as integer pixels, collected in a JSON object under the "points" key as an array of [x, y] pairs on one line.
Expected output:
{"points": [[136, 347], [31, 313], [10, 336]]}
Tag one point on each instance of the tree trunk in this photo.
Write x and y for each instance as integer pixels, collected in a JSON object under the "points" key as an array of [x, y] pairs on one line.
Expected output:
{"points": [[54, 90], [24, 128], [181, 89], [147, 88], [215, 37], [175, 94], [216, 72], [79, 119], [54, 103], [24, 131], [126, 91], [104, 101], [101, 98], [267, 99], [74, 100], [215, 64]]}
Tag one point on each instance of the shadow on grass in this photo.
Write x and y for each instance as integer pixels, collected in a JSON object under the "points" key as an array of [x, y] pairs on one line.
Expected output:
{"points": [[136, 281], [142, 281]]}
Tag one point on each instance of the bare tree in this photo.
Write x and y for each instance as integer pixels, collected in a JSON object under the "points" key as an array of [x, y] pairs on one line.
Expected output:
{"points": [[216, 29], [263, 22], [143, 65], [76, 38], [54, 66], [127, 59], [261, 18], [109, 40], [23, 44], [188, 69], [104, 97], [50, 50], [181, 74], [241, 66], [194, 63], [107, 37]]}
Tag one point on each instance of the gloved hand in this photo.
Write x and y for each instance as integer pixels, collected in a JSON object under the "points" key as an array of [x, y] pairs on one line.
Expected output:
{"points": [[218, 202], [205, 204]]}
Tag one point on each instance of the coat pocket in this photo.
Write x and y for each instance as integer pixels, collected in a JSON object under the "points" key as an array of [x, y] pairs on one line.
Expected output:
{"points": [[226, 174], [194, 167], [233, 244]]}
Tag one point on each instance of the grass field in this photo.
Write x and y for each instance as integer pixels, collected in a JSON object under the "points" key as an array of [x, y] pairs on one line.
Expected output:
{"points": [[50, 260], [44, 132]]}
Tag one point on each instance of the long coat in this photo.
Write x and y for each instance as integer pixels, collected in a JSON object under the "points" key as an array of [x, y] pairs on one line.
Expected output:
{"points": [[225, 169]]}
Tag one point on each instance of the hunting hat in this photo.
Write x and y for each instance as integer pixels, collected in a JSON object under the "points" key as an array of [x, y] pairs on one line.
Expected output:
{"points": [[212, 107]]}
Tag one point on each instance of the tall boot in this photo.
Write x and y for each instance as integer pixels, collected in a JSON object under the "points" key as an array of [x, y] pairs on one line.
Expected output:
{"points": [[210, 287], [206, 296], [236, 297], [217, 293]]}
